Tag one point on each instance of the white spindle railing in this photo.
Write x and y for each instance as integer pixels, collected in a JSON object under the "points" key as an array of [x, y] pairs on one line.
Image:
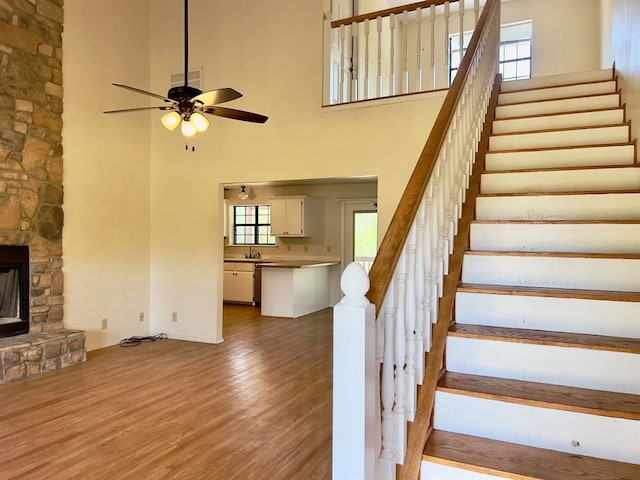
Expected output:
{"points": [[403, 44], [403, 328]]}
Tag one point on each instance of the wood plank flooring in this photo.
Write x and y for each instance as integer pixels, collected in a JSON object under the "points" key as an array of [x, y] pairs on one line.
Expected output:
{"points": [[257, 406]]}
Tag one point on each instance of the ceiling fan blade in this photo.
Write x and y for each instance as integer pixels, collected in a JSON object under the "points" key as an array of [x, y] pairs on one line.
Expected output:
{"points": [[137, 109], [235, 114], [144, 92], [213, 97]]}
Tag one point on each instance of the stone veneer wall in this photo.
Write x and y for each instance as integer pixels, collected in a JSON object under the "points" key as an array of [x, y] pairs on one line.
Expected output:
{"points": [[31, 147], [31, 180]]}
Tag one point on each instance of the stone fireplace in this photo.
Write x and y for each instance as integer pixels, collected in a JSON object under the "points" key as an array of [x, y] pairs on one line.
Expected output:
{"points": [[31, 190]]}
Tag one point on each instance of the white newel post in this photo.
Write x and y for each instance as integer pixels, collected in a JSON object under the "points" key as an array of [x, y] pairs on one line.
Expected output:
{"points": [[355, 425]]}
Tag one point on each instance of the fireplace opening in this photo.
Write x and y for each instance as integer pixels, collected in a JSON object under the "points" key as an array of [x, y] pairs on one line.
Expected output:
{"points": [[14, 290]]}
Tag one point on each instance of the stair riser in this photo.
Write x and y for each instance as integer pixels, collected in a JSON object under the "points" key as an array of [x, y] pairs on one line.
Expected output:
{"points": [[554, 272], [572, 315], [563, 91], [554, 80], [578, 238], [596, 102], [574, 367], [565, 157], [435, 471], [564, 138], [570, 432], [587, 119], [561, 181], [612, 206]]}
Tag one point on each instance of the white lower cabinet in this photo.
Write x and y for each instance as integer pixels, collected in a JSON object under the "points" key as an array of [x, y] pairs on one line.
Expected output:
{"points": [[238, 282]]}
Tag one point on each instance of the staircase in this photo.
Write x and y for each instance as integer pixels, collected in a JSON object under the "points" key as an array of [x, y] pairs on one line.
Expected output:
{"points": [[542, 377]]}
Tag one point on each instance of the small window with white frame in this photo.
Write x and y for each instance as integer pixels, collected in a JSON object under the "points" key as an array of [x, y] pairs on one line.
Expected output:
{"points": [[252, 225], [515, 51]]}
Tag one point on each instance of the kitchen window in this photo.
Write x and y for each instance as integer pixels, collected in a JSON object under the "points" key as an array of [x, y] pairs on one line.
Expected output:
{"points": [[252, 225]]}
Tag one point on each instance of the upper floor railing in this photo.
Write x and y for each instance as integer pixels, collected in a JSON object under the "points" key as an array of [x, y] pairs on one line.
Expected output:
{"points": [[397, 51], [381, 340]]}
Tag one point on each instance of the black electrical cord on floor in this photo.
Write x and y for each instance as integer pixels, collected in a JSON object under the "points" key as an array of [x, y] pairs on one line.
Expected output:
{"points": [[135, 341]]}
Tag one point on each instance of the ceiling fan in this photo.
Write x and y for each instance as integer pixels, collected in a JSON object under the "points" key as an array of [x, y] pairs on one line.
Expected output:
{"points": [[186, 104]]}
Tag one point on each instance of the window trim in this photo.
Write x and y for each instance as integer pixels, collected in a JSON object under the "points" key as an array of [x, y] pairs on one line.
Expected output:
{"points": [[271, 240]]}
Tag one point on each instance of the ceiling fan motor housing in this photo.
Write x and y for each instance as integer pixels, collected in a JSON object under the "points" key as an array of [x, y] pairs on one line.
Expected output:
{"points": [[183, 92]]}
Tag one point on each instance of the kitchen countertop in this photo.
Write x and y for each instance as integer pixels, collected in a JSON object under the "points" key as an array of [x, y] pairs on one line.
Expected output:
{"points": [[298, 264]]}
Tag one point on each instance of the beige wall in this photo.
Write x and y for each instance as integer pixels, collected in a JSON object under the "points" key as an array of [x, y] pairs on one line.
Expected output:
{"points": [[566, 33], [144, 217], [626, 54], [106, 170]]}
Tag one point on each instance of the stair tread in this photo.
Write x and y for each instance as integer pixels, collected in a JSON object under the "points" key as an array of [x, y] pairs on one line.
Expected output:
{"points": [[564, 147], [558, 222], [555, 114], [558, 99], [562, 169], [519, 461], [583, 400], [606, 295], [559, 130], [548, 87], [544, 337], [622, 256], [579, 192]]}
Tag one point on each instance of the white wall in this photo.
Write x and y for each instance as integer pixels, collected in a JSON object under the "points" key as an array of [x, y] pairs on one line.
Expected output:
{"points": [[106, 170], [566, 33], [626, 54], [272, 53], [144, 217]]}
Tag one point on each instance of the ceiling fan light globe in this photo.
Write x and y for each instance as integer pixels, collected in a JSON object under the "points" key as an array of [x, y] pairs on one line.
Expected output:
{"points": [[171, 120], [200, 122], [188, 129]]}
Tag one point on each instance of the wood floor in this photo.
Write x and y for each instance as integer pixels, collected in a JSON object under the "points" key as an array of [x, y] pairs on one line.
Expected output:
{"points": [[257, 406]]}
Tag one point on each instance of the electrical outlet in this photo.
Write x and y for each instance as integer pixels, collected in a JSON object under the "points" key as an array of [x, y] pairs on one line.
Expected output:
{"points": [[174, 317], [142, 316], [306, 248], [288, 248], [104, 324], [328, 248]]}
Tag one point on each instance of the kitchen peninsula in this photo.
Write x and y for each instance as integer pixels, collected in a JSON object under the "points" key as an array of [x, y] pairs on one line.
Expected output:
{"points": [[295, 288]]}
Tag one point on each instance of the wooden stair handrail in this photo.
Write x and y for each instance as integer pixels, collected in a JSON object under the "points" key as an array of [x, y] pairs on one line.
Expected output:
{"points": [[386, 12], [391, 247]]}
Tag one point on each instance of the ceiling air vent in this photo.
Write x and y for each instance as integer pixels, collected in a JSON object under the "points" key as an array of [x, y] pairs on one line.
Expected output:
{"points": [[194, 76]]}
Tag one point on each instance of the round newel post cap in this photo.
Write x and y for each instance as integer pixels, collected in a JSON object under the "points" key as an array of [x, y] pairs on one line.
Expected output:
{"points": [[355, 285]]}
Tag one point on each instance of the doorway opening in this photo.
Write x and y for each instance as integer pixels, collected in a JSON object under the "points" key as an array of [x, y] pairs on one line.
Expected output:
{"points": [[360, 226]]}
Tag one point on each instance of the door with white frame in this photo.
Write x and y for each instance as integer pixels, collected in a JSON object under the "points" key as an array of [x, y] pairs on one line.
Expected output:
{"points": [[360, 232]]}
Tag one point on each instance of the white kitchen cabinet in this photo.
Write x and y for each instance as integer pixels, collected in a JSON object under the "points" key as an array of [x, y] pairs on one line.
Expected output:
{"points": [[290, 216], [238, 282]]}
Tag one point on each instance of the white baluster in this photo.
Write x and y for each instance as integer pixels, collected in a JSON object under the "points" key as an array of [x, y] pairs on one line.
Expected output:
{"points": [[355, 55], [392, 55], [341, 81], [432, 16], [387, 456], [446, 40], [419, 279], [461, 34], [419, 72], [366, 59], [399, 411], [379, 82], [405, 51], [410, 324]]}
